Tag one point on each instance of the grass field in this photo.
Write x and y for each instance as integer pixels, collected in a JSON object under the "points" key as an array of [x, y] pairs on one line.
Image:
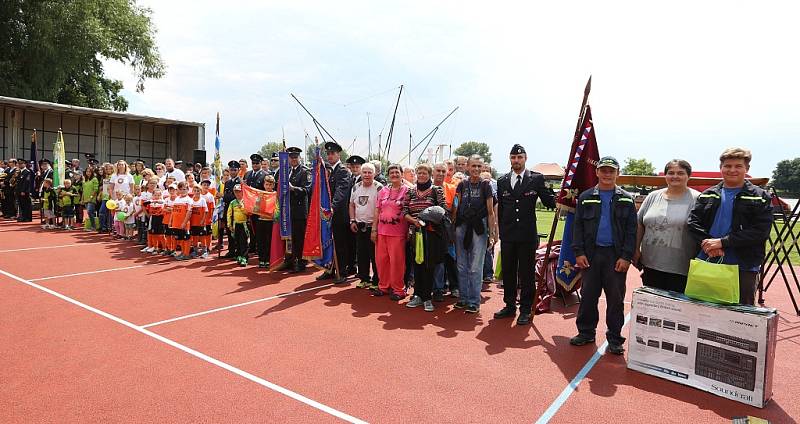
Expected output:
{"points": [[545, 220]]}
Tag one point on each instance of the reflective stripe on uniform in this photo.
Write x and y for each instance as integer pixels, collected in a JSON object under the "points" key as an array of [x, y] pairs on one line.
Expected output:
{"points": [[590, 201], [625, 199], [760, 199], [716, 196]]}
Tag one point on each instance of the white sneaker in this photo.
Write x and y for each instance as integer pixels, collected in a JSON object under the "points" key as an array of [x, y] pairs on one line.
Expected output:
{"points": [[428, 306], [144, 249]]}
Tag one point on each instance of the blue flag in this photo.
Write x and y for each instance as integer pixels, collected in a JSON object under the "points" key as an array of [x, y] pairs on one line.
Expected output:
{"points": [[283, 195]]}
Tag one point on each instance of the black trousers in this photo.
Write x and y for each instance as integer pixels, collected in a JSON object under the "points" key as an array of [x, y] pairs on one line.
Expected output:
{"points": [[748, 282], [9, 203], [264, 239], [25, 208], [423, 281], [365, 250], [601, 277], [663, 280], [518, 272], [79, 214], [239, 242], [254, 239], [298, 236], [342, 241], [451, 272]]}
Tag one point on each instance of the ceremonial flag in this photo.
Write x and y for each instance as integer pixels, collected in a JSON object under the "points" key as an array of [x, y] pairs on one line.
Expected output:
{"points": [[283, 197], [34, 163], [258, 202], [217, 168], [580, 175], [318, 242], [277, 250], [58, 161]]}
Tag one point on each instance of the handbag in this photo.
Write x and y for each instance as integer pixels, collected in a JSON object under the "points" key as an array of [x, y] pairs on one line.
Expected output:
{"points": [[419, 248], [713, 282]]}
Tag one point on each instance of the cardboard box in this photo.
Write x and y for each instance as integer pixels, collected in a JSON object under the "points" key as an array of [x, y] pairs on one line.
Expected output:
{"points": [[725, 350]]}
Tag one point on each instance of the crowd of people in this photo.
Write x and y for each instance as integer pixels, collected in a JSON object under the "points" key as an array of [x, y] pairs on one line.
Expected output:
{"points": [[433, 227]]}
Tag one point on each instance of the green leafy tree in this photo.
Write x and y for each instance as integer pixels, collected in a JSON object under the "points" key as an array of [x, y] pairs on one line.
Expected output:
{"points": [[638, 167], [271, 147], [474, 148], [53, 50], [786, 175]]}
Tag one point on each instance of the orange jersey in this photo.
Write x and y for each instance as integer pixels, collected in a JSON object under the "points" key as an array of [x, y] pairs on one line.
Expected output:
{"points": [[198, 210], [181, 207], [210, 204]]}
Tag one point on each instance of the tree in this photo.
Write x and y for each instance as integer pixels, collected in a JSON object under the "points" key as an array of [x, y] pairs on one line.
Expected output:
{"points": [[474, 148], [638, 167], [53, 50], [271, 147], [786, 175]]}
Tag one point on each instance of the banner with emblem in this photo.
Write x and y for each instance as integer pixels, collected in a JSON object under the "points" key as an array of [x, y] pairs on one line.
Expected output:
{"points": [[580, 175], [283, 188], [318, 242], [259, 202], [59, 157]]}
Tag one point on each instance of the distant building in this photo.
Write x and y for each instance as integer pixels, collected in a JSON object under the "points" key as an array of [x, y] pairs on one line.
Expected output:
{"points": [[108, 135]]}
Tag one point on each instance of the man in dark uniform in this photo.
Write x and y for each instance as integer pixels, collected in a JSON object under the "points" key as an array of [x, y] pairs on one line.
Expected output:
{"points": [[255, 179], [354, 165], [228, 196], [299, 191], [274, 163], [45, 172], [23, 192], [9, 196], [340, 182], [517, 192]]}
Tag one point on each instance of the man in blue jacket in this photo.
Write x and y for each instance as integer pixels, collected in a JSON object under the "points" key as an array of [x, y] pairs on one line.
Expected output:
{"points": [[604, 238], [733, 219]]}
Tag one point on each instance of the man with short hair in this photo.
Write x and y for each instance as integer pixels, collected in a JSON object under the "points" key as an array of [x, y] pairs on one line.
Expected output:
{"points": [[362, 217], [172, 171], [340, 182], [23, 192], [446, 271], [461, 165], [299, 191], [604, 240], [733, 220], [378, 175], [254, 178]]}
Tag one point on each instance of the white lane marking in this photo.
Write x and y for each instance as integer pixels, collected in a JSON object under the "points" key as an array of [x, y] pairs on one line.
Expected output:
{"points": [[40, 248], [567, 392], [86, 273], [190, 351], [211, 311]]}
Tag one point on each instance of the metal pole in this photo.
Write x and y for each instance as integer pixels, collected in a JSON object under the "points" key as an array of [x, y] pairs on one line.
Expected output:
{"points": [[391, 127], [319, 126]]}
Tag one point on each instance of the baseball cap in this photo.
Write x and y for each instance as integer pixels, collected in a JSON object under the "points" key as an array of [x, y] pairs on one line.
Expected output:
{"points": [[608, 162]]}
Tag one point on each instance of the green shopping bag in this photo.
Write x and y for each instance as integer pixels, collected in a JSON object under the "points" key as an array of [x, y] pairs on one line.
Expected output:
{"points": [[713, 282], [498, 269], [419, 248]]}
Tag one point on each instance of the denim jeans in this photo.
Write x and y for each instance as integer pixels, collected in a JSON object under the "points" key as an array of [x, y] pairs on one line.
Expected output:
{"points": [[105, 222], [438, 278], [91, 211], [470, 265]]}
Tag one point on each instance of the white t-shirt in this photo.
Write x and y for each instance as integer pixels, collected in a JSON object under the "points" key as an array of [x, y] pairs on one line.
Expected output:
{"points": [[364, 200], [175, 173], [122, 206], [122, 183]]}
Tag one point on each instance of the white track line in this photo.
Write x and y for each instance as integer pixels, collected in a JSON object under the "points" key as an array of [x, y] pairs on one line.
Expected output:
{"points": [[567, 392], [211, 311], [87, 273], [196, 354], [40, 248]]}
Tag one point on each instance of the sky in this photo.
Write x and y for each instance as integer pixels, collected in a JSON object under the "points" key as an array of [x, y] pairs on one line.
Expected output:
{"points": [[669, 80]]}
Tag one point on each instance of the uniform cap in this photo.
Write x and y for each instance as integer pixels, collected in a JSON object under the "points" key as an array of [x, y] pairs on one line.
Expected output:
{"points": [[608, 162]]}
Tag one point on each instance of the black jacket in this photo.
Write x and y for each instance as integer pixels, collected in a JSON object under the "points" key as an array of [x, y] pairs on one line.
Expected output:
{"points": [[516, 208], [300, 179], [255, 179], [340, 182], [587, 221], [750, 225]]}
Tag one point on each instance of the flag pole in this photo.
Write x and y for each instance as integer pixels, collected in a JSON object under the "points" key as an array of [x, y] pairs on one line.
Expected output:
{"points": [[541, 277]]}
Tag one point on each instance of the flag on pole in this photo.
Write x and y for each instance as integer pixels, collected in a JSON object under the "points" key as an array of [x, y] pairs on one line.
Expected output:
{"points": [[217, 168], [285, 219], [59, 157], [318, 242], [580, 175], [34, 163]]}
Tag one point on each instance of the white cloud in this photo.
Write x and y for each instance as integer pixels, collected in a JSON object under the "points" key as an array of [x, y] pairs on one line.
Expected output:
{"points": [[679, 79]]}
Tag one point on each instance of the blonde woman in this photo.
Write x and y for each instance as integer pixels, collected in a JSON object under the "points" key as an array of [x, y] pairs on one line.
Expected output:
{"points": [[122, 180]]}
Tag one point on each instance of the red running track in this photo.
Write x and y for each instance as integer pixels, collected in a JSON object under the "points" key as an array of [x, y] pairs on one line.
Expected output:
{"points": [[333, 346]]}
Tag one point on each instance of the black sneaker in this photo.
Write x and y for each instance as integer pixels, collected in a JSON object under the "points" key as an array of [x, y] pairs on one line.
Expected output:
{"points": [[396, 297], [471, 309], [460, 305], [616, 349], [324, 276], [438, 297], [581, 340]]}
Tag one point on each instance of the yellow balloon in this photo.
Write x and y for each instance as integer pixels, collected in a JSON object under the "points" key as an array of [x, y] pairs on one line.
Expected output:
{"points": [[111, 205]]}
